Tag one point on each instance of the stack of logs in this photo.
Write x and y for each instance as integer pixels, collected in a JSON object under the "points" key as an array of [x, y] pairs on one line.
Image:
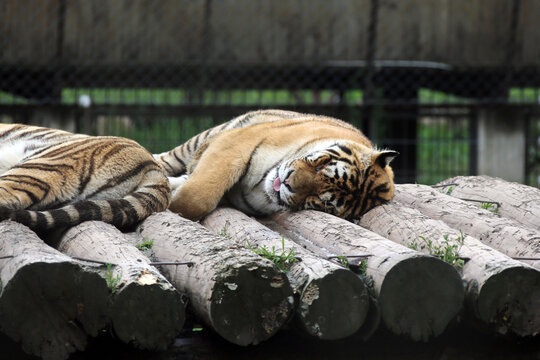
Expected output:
{"points": [[93, 277]]}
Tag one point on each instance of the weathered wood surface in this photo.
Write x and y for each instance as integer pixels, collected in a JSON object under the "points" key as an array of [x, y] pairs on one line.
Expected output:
{"points": [[242, 296], [332, 302], [146, 310], [49, 302], [501, 292], [500, 233], [518, 202], [418, 295], [462, 32]]}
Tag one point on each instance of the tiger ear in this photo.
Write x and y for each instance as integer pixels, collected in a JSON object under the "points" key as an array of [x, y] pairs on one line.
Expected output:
{"points": [[383, 158]]}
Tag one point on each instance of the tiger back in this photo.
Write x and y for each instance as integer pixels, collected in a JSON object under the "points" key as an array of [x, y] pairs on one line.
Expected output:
{"points": [[52, 178], [272, 160]]}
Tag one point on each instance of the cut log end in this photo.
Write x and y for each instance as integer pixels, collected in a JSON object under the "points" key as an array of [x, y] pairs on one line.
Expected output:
{"points": [[148, 316], [317, 308], [510, 301], [434, 293], [250, 303], [50, 307]]}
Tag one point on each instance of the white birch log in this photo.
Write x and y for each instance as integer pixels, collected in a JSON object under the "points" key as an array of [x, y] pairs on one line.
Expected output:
{"points": [[49, 302], [146, 310], [500, 233], [502, 293], [517, 201], [243, 297], [332, 302], [418, 295]]}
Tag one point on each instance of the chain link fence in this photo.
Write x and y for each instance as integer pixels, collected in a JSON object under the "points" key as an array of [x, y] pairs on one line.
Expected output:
{"points": [[411, 74]]}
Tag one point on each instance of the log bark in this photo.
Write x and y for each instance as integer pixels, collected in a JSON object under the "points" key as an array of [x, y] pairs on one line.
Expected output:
{"points": [[146, 310], [500, 233], [519, 202], [332, 302], [243, 297], [502, 293], [49, 302], [418, 295]]}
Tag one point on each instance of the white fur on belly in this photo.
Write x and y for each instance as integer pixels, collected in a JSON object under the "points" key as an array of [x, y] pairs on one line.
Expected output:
{"points": [[10, 155]]}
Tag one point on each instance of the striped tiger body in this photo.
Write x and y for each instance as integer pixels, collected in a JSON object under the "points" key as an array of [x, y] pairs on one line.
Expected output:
{"points": [[51, 178], [272, 160]]}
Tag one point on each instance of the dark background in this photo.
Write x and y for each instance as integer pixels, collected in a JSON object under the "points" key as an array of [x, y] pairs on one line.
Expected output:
{"points": [[414, 75]]}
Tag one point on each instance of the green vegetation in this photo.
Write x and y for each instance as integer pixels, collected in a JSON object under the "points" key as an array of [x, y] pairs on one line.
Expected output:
{"points": [[448, 251], [145, 245], [282, 260], [443, 149], [343, 261], [112, 281], [494, 208], [363, 267], [223, 232]]}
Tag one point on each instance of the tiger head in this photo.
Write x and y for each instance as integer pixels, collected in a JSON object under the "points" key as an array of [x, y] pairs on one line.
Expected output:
{"points": [[345, 179]]}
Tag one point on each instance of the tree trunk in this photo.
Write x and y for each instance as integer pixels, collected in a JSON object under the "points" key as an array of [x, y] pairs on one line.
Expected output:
{"points": [[503, 293], [333, 301], [49, 302], [418, 295], [146, 310], [242, 296], [500, 233], [518, 202]]}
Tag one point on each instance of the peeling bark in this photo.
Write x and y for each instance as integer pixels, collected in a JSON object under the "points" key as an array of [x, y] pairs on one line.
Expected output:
{"points": [[49, 302], [333, 301], [519, 202], [501, 292], [146, 310], [418, 295], [242, 296], [498, 232]]}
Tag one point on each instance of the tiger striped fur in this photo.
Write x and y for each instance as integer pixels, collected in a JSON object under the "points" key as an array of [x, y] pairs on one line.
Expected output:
{"points": [[52, 178], [272, 160]]}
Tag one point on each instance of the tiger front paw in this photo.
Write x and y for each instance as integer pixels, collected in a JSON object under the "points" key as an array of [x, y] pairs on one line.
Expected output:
{"points": [[191, 205]]}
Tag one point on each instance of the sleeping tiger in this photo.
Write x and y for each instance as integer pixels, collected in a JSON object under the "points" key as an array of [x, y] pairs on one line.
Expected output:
{"points": [[51, 178], [272, 160]]}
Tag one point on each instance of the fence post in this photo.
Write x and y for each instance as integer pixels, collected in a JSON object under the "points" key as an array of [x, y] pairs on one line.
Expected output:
{"points": [[501, 143]]}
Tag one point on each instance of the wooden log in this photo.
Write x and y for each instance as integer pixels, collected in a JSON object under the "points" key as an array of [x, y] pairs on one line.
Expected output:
{"points": [[500, 233], [49, 302], [146, 310], [243, 297], [418, 295], [518, 202], [373, 317], [502, 293], [332, 302]]}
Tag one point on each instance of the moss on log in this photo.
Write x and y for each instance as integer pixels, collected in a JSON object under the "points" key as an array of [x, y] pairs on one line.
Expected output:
{"points": [[501, 292], [418, 295], [49, 302], [333, 301], [146, 310], [243, 297], [500, 233], [518, 202]]}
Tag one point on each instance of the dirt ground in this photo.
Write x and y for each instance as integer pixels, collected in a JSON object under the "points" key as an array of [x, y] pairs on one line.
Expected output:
{"points": [[460, 342]]}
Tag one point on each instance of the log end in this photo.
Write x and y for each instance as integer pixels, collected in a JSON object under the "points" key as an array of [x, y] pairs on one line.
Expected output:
{"points": [[148, 316], [420, 296], [250, 303], [510, 301], [50, 308], [334, 306]]}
